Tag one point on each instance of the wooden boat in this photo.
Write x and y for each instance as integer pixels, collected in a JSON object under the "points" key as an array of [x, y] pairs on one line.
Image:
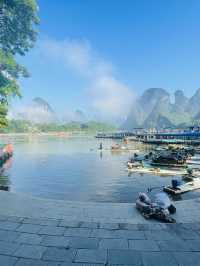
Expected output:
{"points": [[117, 147], [160, 171], [169, 164], [6, 151], [189, 186]]}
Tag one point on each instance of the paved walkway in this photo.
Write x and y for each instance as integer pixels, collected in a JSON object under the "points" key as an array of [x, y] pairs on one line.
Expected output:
{"points": [[31, 241], [67, 239]]}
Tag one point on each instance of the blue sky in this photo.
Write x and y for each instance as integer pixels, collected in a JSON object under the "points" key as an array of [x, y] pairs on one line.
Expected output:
{"points": [[98, 55]]}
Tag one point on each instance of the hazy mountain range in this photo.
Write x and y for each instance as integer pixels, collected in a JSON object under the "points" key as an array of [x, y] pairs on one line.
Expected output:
{"points": [[154, 109], [40, 111]]}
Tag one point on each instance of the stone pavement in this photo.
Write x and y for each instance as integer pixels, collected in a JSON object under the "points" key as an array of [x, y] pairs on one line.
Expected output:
{"points": [[35, 242], [38, 232]]}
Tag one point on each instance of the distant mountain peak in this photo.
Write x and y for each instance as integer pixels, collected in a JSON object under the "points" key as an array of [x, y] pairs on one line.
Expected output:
{"points": [[40, 102], [154, 109], [155, 90], [38, 111]]}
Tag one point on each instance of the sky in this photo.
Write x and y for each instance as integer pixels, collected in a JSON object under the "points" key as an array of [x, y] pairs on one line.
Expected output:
{"points": [[99, 55]]}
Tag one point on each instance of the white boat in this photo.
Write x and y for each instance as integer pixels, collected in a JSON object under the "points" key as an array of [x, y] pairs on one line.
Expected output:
{"points": [[189, 186], [195, 158], [193, 162], [159, 171]]}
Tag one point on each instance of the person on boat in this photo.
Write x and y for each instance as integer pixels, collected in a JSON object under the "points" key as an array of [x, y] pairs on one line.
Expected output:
{"points": [[101, 146]]}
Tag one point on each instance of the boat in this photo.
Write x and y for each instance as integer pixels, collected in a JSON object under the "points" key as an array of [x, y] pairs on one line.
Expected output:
{"points": [[167, 158], [170, 164], [193, 162], [189, 186], [161, 171], [6, 151], [132, 164], [195, 158], [118, 147]]}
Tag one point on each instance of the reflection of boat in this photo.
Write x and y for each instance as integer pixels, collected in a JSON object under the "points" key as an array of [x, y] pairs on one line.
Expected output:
{"points": [[4, 183], [161, 171], [189, 186]]}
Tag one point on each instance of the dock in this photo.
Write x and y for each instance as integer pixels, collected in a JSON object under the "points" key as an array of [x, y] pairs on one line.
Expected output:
{"points": [[190, 136], [189, 186], [115, 135]]}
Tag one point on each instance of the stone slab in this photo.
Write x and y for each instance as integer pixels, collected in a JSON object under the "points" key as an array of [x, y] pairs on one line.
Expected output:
{"points": [[144, 245], [124, 257], [91, 256], [159, 258], [113, 244], [58, 254], [30, 251]]}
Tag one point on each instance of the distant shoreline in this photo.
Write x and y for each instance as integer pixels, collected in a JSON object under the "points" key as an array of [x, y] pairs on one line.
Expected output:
{"points": [[41, 134]]}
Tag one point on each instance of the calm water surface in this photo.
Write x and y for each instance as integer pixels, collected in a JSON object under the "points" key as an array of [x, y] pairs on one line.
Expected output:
{"points": [[74, 169]]}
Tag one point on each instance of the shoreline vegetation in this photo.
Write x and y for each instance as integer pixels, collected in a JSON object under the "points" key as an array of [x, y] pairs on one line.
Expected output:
{"points": [[22, 127]]}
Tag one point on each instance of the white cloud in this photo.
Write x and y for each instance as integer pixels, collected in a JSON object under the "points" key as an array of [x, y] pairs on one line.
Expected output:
{"points": [[109, 98]]}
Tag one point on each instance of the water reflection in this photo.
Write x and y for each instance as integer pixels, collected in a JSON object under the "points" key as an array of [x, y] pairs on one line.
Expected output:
{"points": [[4, 178]]}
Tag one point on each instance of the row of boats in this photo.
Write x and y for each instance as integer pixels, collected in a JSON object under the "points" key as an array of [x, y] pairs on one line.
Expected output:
{"points": [[170, 161]]}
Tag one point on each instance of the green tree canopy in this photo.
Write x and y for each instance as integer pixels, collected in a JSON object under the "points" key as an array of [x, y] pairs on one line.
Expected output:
{"points": [[18, 21]]}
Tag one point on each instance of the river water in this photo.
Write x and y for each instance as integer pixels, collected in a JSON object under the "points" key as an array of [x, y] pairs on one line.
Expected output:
{"points": [[74, 169]]}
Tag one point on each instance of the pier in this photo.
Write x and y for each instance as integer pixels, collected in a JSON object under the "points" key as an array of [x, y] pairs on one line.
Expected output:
{"points": [[115, 135], [189, 136]]}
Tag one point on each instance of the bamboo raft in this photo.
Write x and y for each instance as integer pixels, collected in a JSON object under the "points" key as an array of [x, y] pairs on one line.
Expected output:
{"points": [[189, 186], [159, 171]]}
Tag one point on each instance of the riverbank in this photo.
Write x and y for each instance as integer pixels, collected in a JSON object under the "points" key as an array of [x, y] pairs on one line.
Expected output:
{"points": [[188, 211], [38, 134], [37, 232]]}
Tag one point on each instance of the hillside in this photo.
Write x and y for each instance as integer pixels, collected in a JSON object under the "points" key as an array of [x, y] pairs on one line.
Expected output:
{"points": [[154, 109]]}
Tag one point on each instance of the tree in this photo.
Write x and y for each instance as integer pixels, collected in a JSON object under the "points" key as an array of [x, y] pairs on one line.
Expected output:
{"points": [[18, 21]]}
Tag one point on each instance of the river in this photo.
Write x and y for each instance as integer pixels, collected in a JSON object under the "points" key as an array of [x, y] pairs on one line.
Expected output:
{"points": [[72, 168]]}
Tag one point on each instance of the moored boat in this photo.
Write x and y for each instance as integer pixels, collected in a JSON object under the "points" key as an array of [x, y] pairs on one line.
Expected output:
{"points": [[189, 186], [6, 152], [161, 171]]}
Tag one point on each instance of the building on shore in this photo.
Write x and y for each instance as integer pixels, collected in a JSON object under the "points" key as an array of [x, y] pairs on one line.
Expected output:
{"points": [[190, 135]]}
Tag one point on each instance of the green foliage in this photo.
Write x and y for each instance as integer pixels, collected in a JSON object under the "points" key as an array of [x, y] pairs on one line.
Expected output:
{"points": [[22, 126], [9, 71], [17, 35], [9, 66], [18, 21], [16, 126], [3, 112]]}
